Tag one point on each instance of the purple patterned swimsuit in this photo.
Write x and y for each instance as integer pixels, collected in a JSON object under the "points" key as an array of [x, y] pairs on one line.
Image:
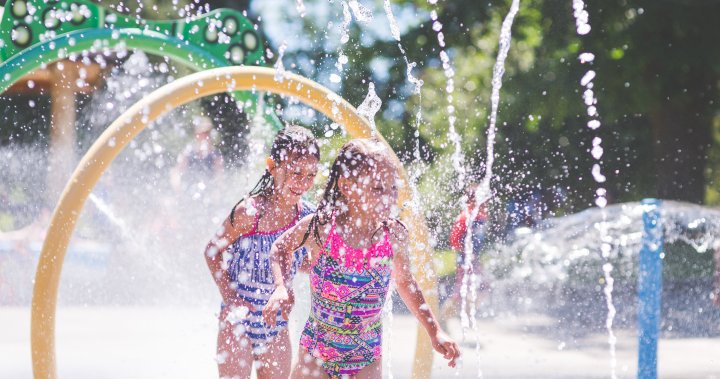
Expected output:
{"points": [[349, 287], [249, 269]]}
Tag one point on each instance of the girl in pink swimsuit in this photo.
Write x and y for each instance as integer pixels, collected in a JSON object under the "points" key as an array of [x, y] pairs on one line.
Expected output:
{"points": [[354, 247]]}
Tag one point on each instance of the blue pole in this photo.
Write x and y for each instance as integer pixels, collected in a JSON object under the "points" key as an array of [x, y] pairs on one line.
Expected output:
{"points": [[649, 289]]}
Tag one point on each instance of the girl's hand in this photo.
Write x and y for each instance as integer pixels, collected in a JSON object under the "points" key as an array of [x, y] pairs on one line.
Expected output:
{"points": [[443, 344], [234, 306], [287, 306], [280, 300]]}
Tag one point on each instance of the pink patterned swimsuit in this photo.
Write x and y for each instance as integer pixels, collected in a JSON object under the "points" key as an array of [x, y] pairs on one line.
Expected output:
{"points": [[349, 287]]}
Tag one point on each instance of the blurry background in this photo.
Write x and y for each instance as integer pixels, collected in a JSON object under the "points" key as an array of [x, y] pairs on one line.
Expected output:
{"points": [[140, 240]]}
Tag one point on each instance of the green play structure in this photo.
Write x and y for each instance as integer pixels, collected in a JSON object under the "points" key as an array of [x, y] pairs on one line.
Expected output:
{"points": [[34, 33]]}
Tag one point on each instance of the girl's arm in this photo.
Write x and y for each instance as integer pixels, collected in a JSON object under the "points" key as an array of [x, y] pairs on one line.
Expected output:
{"points": [[413, 298], [224, 237], [281, 255]]}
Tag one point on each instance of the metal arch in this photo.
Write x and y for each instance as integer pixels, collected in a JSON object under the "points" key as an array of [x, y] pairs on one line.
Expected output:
{"points": [[132, 122]]}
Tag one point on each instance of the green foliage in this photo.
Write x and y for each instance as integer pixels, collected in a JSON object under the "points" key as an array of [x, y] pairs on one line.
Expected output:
{"points": [[657, 80]]}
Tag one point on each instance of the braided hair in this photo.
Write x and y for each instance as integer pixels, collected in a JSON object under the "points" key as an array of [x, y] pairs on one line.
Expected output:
{"points": [[292, 139], [356, 156]]}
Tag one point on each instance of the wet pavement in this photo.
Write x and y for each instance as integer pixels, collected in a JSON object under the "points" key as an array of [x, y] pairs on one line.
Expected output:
{"points": [[147, 342]]}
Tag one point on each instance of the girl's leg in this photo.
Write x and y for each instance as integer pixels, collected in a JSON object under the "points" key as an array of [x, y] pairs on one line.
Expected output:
{"points": [[234, 354], [307, 367], [275, 362], [372, 371]]}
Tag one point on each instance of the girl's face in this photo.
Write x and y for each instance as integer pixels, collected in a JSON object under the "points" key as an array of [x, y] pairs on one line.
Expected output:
{"points": [[374, 192], [294, 176]]}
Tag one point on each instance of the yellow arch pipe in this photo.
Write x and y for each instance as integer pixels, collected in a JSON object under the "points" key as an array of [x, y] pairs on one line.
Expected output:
{"points": [[132, 122]]}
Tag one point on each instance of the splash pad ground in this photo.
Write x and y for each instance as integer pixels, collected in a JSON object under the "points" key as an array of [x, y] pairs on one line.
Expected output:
{"points": [[149, 342]]}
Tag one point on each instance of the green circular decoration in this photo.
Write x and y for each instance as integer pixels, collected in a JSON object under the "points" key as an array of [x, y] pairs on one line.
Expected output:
{"points": [[236, 54], [77, 13], [19, 9], [211, 33], [21, 35], [250, 40], [230, 25], [50, 20]]}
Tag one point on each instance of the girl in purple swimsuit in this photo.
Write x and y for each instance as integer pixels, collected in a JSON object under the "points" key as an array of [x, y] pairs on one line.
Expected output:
{"points": [[245, 280], [354, 247]]}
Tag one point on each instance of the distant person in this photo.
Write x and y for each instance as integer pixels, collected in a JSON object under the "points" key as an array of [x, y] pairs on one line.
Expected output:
{"points": [[199, 164], [478, 230], [525, 211], [559, 205], [535, 208]]}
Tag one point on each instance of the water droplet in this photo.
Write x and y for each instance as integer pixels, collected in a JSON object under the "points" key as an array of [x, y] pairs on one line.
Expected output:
{"points": [[300, 6], [587, 78], [597, 175], [586, 57], [362, 14], [370, 106], [279, 67], [583, 29]]}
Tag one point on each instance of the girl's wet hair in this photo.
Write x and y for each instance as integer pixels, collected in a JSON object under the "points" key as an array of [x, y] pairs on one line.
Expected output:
{"points": [[291, 140], [356, 157]]}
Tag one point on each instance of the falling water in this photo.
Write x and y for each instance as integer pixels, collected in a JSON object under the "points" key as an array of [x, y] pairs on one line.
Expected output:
{"points": [[417, 86], [105, 209], [609, 281], [300, 7], [344, 38], [370, 106], [483, 193], [118, 222], [388, 330], [279, 67], [582, 24], [458, 158], [361, 13], [395, 31], [417, 83]]}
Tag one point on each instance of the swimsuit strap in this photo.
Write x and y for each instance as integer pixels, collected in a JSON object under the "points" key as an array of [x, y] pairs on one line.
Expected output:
{"points": [[386, 231], [329, 239], [334, 236], [386, 244], [354, 257]]}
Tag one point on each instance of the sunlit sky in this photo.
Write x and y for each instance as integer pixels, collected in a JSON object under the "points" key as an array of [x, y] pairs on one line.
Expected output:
{"points": [[281, 22]]}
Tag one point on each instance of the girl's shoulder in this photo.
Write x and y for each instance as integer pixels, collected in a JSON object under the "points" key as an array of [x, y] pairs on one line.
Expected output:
{"points": [[249, 206], [244, 214]]}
